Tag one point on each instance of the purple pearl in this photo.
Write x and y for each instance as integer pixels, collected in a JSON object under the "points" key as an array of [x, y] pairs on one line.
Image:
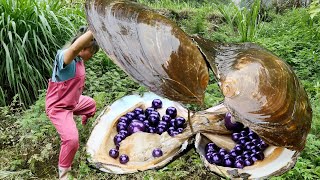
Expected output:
{"points": [[180, 121], [174, 133], [239, 164], [252, 135], [164, 123], [148, 111], [136, 126], [235, 136], [240, 158], [162, 126], [211, 146], [124, 119], [247, 154], [172, 123], [216, 158], [171, 111], [141, 117], [238, 148], [153, 119], [256, 141], [161, 130], [118, 138], [152, 129], [248, 162], [170, 130], [138, 111], [123, 159], [130, 115], [260, 155], [233, 153], [146, 123], [254, 157], [243, 133], [242, 140], [156, 113], [223, 152], [114, 153], [211, 150], [180, 130], [228, 162], [166, 118], [124, 133], [263, 145], [157, 103], [157, 152], [121, 126], [248, 145], [255, 149], [208, 157]]}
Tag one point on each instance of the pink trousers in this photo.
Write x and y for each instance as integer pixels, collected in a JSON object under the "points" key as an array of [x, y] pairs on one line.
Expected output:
{"points": [[64, 123]]}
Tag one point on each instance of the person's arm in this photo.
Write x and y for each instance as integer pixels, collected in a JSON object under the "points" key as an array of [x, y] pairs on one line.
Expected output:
{"points": [[77, 46]]}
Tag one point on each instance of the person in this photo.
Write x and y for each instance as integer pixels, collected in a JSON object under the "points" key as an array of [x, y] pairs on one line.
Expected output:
{"points": [[64, 97]]}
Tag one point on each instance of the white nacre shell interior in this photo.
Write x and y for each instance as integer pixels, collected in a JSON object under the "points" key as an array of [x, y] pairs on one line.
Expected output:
{"points": [[138, 146]]}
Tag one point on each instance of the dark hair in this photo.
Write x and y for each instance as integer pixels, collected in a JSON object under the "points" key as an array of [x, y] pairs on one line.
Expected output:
{"points": [[94, 45]]}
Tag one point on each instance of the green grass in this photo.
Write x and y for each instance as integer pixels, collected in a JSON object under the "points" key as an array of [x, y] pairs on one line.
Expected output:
{"points": [[29, 144]]}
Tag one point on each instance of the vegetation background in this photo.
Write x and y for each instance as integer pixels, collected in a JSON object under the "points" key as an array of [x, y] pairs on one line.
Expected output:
{"points": [[31, 31]]}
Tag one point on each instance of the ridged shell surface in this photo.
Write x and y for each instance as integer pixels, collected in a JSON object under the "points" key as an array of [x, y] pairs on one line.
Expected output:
{"points": [[150, 48]]}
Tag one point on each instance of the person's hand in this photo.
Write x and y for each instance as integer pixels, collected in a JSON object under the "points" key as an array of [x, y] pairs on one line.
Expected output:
{"points": [[86, 30]]}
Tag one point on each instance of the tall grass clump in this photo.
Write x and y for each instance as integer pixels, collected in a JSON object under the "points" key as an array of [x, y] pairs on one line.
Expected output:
{"points": [[30, 33], [243, 20]]}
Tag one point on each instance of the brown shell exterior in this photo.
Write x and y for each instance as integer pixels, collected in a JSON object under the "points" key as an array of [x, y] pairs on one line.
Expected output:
{"points": [[150, 48], [261, 91]]}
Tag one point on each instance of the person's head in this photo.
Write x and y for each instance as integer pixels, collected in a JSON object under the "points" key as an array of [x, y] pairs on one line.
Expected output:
{"points": [[88, 51]]}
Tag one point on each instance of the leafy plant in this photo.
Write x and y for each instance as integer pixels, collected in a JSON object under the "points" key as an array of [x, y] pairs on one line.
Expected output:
{"points": [[314, 9], [244, 20], [31, 32]]}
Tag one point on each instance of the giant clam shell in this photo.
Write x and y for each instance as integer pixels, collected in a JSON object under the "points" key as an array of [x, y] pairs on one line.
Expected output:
{"points": [[261, 91], [150, 48]]}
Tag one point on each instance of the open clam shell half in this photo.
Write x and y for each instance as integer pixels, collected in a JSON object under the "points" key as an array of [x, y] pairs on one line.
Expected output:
{"points": [[277, 159], [261, 91], [150, 48], [138, 146]]}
